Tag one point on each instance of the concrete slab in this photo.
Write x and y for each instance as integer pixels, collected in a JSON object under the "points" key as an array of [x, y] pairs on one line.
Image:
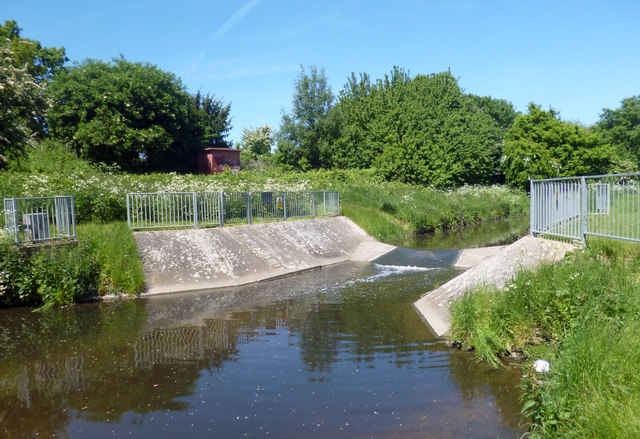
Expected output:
{"points": [[471, 257], [524, 254], [198, 259], [370, 249]]}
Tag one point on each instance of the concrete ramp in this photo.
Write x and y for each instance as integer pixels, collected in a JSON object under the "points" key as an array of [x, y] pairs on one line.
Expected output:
{"points": [[491, 267], [198, 259]]}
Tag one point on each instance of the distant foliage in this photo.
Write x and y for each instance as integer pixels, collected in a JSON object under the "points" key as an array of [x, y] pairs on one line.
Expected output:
{"points": [[257, 141], [25, 69], [134, 115], [423, 130], [621, 128], [306, 133], [540, 145]]}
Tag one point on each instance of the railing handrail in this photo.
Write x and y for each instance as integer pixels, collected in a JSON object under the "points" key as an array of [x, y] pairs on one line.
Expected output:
{"points": [[606, 205], [40, 219], [154, 210]]}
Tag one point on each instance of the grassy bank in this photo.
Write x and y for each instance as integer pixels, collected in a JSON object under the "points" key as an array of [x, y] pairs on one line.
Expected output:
{"points": [[385, 209], [583, 316], [104, 261]]}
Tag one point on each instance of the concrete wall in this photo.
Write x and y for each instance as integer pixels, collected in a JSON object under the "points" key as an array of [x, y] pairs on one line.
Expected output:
{"points": [[197, 259]]}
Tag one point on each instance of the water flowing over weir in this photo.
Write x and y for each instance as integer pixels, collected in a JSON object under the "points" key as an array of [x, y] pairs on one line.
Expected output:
{"points": [[335, 352]]}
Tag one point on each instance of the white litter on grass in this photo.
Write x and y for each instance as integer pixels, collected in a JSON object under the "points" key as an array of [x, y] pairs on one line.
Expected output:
{"points": [[541, 366]]}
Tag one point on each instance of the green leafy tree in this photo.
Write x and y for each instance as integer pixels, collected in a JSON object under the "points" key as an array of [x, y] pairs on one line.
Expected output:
{"points": [[621, 128], [257, 141], [134, 115], [306, 134], [25, 69], [42, 63], [23, 102], [540, 145], [422, 130]]}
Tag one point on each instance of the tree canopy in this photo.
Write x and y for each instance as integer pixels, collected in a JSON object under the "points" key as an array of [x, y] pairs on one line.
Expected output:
{"points": [[305, 134], [423, 130], [257, 141], [134, 115], [621, 127], [42, 63], [540, 145], [25, 69]]}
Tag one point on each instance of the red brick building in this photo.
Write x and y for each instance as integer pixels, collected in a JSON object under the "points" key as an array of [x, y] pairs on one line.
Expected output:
{"points": [[213, 160]]}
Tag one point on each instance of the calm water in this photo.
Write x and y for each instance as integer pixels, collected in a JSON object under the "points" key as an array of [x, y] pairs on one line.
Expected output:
{"points": [[333, 353]]}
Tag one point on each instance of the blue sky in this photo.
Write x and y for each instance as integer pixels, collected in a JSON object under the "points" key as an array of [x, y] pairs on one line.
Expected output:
{"points": [[575, 56]]}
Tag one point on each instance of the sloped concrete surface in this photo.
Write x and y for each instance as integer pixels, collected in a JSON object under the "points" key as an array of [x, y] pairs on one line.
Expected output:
{"points": [[524, 254], [197, 259], [470, 257]]}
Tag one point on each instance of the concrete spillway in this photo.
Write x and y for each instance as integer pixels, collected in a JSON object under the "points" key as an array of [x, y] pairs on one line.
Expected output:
{"points": [[187, 260]]}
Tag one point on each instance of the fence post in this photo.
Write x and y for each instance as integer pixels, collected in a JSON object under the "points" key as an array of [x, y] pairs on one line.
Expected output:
{"points": [[248, 207], [284, 204], [532, 207], [313, 200], [221, 208], [338, 203], [195, 210], [128, 211], [16, 217], [583, 209], [73, 218]]}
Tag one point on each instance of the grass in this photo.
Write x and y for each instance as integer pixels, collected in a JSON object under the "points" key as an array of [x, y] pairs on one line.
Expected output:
{"points": [[117, 255], [104, 261], [582, 315]]}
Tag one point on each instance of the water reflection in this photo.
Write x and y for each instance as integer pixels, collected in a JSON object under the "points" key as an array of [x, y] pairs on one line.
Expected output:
{"points": [[337, 352]]}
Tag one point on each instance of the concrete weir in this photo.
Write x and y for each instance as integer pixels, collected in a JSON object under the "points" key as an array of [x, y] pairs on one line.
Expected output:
{"points": [[492, 266], [199, 259]]}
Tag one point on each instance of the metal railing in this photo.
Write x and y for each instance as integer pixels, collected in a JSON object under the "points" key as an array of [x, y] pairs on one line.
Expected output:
{"points": [[596, 205], [205, 209], [33, 220]]}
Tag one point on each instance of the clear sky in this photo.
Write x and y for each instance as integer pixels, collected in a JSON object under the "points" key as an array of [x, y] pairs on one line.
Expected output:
{"points": [[576, 56]]}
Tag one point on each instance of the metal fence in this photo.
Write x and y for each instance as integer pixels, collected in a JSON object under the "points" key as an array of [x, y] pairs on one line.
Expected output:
{"points": [[596, 205], [206, 209], [33, 220]]}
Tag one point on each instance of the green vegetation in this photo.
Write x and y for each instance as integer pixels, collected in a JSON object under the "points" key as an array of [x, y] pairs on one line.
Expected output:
{"points": [[583, 316], [101, 196], [133, 115], [621, 128], [105, 261], [540, 145], [117, 255]]}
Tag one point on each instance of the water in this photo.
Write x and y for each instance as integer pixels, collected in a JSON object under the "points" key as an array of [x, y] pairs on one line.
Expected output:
{"points": [[481, 235], [338, 352]]}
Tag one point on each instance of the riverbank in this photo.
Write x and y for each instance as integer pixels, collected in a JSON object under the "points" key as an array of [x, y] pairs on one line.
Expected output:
{"points": [[582, 316], [490, 267]]}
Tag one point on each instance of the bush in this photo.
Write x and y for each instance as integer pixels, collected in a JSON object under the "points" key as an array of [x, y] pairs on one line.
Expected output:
{"points": [[57, 275]]}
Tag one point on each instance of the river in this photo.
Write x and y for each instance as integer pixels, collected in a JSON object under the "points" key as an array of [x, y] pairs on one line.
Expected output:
{"points": [[338, 352]]}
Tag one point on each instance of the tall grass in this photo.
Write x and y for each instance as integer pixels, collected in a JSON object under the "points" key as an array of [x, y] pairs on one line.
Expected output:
{"points": [[105, 261], [117, 255], [582, 315]]}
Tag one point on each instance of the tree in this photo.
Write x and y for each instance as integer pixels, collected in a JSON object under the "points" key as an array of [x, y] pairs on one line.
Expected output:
{"points": [[306, 133], [23, 103], [257, 141], [134, 115], [421, 130], [43, 63], [25, 69], [540, 145], [621, 128]]}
